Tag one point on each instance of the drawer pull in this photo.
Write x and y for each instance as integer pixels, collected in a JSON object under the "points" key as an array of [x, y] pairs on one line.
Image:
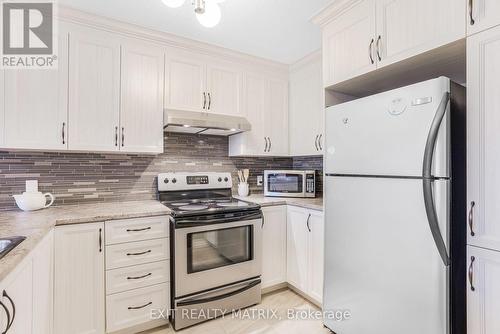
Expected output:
{"points": [[471, 273], [139, 229], [139, 307], [141, 253], [139, 277]]}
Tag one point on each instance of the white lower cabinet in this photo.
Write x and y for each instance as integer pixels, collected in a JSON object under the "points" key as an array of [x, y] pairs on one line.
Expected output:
{"points": [[79, 279], [27, 293], [483, 291], [305, 251], [274, 246]]}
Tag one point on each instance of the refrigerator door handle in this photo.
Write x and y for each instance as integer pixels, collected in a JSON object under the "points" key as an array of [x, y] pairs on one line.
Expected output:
{"points": [[428, 179]]}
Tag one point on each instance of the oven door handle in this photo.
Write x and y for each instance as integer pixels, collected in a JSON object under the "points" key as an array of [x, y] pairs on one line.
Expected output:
{"points": [[193, 222], [223, 296]]}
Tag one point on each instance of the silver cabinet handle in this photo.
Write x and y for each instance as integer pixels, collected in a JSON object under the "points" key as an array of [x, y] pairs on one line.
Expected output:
{"points": [[116, 136], [123, 136], [209, 101], [316, 143], [139, 277], [471, 8], [138, 229], [7, 314], [141, 253], [265, 139], [370, 51], [270, 144], [139, 307], [100, 240], [378, 47], [307, 223], [471, 273], [204, 100], [9, 324], [319, 142], [63, 133], [471, 218]]}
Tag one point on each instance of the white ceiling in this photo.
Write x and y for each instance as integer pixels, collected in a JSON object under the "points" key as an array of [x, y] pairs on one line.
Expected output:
{"points": [[279, 30]]}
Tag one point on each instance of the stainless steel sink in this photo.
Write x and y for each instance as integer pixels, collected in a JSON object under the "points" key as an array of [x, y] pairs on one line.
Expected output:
{"points": [[8, 244]]}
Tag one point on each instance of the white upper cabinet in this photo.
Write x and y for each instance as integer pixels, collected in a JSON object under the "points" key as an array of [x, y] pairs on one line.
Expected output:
{"points": [[482, 15], [483, 293], [224, 83], [265, 105], [141, 118], [94, 90], [360, 36], [483, 127], [35, 105], [406, 28], [306, 109], [276, 117], [185, 83], [348, 44]]}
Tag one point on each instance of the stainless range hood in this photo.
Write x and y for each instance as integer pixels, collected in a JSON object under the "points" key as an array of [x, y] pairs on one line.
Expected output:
{"points": [[204, 123]]}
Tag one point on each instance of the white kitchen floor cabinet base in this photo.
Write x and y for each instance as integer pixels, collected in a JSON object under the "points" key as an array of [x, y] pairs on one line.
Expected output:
{"points": [[274, 246]]}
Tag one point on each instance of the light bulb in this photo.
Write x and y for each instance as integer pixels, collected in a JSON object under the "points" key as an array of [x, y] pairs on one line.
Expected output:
{"points": [[174, 3], [212, 15]]}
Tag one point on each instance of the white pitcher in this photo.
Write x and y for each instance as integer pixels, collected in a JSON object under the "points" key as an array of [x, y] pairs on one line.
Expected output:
{"points": [[33, 201]]}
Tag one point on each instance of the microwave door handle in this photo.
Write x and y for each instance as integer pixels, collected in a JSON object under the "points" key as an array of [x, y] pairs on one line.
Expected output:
{"points": [[219, 297]]}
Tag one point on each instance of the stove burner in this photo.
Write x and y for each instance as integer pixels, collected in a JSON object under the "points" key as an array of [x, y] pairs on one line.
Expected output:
{"points": [[193, 207], [232, 204]]}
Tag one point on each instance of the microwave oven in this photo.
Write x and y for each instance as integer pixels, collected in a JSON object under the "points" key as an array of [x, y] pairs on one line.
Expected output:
{"points": [[290, 183]]}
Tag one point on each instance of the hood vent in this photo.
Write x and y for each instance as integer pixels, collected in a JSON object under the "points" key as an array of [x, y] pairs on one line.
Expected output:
{"points": [[204, 123]]}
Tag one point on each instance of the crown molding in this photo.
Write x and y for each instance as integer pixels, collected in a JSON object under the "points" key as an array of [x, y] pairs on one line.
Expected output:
{"points": [[313, 57], [333, 10], [75, 16]]}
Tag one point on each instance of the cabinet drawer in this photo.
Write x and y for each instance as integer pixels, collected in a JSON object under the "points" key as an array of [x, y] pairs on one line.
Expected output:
{"points": [[123, 279], [128, 230], [131, 308], [133, 253]]}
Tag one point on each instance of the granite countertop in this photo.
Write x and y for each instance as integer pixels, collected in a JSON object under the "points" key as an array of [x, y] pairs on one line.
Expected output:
{"points": [[35, 225], [308, 203]]}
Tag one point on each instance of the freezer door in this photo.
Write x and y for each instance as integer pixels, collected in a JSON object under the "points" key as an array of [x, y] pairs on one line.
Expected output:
{"points": [[386, 134], [381, 262]]}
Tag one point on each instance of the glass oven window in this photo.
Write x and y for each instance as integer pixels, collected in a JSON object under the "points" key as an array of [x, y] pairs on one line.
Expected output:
{"points": [[219, 248], [285, 183]]}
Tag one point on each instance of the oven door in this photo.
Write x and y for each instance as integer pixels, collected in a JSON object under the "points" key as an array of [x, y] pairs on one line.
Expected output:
{"points": [[211, 253], [284, 184]]}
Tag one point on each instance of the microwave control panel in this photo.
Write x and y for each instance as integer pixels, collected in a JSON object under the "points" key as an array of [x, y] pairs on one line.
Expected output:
{"points": [[310, 179]]}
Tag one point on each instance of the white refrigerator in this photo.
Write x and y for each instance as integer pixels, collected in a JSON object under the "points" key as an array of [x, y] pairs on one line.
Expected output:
{"points": [[395, 211]]}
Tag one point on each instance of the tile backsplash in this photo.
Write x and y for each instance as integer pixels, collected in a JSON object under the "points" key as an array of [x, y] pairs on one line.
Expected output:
{"points": [[76, 178]]}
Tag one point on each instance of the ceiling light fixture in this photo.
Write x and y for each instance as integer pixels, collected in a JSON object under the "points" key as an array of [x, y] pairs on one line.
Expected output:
{"points": [[207, 12]]}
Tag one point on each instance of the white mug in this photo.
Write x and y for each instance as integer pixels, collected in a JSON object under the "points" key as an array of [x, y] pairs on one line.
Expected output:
{"points": [[243, 189], [33, 201]]}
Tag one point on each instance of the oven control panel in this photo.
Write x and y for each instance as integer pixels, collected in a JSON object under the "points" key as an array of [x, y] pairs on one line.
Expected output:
{"points": [[194, 181]]}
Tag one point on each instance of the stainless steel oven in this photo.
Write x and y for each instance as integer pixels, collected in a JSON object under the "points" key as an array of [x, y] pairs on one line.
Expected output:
{"points": [[217, 264], [290, 183]]}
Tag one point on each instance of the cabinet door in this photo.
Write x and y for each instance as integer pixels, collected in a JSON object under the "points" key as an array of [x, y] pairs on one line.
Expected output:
{"points": [[276, 117], [224, 88], [297, 248], [19, 288], [305, 109], [483, 128], [94, 90], [252, 142], [483, 291], [43, 286], [142, 98], [346, 44], [316, 253], [79, 279], [36, 111], [274, 246], [482, 15], [406, 28], [185, 81]]}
